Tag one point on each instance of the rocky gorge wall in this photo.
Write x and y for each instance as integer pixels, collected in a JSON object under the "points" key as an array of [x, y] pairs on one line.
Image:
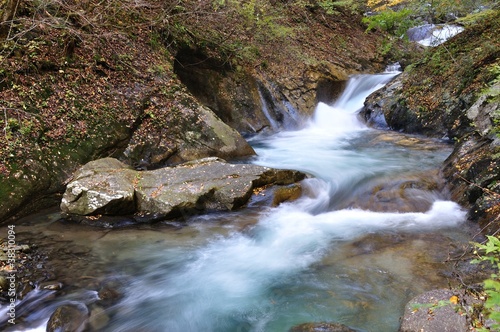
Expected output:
{"points": [[453, 94]]}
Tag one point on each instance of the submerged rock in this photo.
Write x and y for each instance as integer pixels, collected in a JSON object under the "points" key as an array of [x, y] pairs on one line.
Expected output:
{"points": [[413, 192], [69, 317], [108, 186], [321, 327]]}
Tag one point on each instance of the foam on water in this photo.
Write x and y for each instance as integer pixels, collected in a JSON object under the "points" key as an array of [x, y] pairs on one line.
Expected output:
{"points": [[229, 278], [232, 283]]}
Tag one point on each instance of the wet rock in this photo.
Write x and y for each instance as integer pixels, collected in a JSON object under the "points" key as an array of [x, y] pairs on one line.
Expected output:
{"points": [[98, 318], [69, 318], [236, 98], [321, 327], [286, 194], [436, 311], [406, 193], [209, 184], [206, 185], [250, 102], [50, 285], [473, 170], [373, 111], [433, 34], [109, 293]]}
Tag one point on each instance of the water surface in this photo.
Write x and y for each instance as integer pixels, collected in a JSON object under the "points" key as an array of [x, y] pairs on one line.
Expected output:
{"points": [[320, 258]]}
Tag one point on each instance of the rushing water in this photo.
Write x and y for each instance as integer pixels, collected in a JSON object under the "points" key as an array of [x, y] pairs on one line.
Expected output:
{"points": [[312, 260]]}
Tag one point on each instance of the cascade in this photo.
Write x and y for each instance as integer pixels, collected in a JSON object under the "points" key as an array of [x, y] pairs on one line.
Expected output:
{"points": [[293, 264]]}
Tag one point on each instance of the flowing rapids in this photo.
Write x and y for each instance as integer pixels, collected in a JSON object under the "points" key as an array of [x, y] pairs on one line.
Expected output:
{"points": [[320, 258]]}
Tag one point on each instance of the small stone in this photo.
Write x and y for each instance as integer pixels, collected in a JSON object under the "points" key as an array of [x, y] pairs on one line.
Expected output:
{"points": [[51, 285]]}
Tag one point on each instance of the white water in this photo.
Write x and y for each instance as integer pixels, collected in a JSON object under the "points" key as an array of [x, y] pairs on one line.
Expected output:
{"points": [[434, 35], [236, 282], [271, 276]]}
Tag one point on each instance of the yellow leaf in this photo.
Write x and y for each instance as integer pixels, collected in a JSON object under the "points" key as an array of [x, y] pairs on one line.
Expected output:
{"points": [[454, 299]]}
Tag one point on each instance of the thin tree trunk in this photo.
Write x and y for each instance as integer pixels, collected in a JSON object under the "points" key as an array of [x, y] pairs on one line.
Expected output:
{"points": [[8, 10]]}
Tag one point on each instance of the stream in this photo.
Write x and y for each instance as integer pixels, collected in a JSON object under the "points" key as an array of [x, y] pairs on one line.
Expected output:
{"points": [[373, 229]]}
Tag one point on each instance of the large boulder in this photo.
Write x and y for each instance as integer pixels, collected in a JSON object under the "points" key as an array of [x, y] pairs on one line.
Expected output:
{"points": [[103, 186], [107, 186]]}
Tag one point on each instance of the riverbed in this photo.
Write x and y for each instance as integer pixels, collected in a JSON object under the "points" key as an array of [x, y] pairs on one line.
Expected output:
{"points": [[374, 227]]}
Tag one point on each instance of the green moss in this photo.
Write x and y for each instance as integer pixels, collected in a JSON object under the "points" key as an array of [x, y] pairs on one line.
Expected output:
{"points": [[475, 18]]}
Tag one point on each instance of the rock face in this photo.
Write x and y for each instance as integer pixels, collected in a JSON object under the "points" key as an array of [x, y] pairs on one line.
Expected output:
{"points": [[252, 103], [436, 311], [190, 131], [473, 170], [107, 186], [448, 99], [388, 108]]}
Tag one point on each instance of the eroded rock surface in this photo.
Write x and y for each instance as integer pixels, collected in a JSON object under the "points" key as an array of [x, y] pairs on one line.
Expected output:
{"points": [[107, 186]]}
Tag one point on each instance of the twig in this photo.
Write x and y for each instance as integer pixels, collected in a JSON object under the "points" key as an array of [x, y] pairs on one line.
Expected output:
{"points": [[491, 192]]}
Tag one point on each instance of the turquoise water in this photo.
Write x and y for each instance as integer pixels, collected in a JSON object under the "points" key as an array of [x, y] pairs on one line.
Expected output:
{"points": [[312, 260]]}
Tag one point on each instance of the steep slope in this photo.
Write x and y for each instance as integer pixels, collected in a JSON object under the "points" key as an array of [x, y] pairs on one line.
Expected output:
{"points": [[80, 81]]}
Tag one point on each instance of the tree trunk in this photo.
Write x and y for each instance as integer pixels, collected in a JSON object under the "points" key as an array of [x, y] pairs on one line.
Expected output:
{"points": [[8, 9]]}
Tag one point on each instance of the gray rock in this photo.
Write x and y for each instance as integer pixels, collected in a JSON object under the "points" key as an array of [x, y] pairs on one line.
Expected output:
{"points": [[103, 186], [209, 184], [435, 311], [482, 112], [420, 32]]}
